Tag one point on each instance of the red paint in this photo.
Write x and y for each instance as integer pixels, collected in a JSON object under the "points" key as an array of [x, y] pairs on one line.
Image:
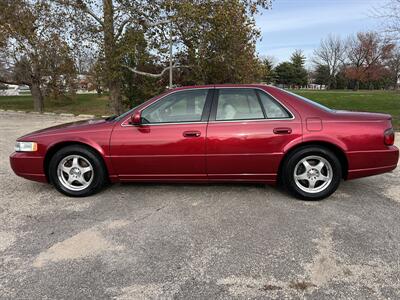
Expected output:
{"points": [[218, 151]]}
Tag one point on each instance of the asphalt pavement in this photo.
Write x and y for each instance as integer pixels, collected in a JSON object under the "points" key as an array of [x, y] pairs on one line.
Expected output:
{"points": [[218, 241]]}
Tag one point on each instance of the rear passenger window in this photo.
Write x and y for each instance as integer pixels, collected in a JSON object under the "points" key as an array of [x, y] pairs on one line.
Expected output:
{"points": [[238, 104], [272, 108]]}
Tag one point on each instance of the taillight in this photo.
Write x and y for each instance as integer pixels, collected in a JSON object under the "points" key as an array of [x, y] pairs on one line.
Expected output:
{"points": [[389, 137]]}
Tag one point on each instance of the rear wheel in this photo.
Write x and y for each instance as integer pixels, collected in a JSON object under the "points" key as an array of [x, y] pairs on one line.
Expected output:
{"points": [[77, 171], [312, 173]]}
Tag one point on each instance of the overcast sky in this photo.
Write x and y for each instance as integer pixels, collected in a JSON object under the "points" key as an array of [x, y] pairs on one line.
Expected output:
{"points": [[300, 24]]}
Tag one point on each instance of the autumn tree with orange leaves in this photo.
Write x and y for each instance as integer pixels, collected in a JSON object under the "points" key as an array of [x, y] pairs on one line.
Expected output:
{"points": [[366, 55]]}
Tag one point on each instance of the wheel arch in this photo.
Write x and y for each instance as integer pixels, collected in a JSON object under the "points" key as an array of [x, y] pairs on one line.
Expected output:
{"points": [[57, 146], [338, 151]]}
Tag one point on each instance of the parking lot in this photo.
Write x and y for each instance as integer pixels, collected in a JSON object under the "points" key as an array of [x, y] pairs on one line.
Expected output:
{"points": [[140, 241]]}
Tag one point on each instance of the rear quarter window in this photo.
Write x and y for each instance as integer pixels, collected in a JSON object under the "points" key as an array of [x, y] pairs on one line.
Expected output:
{"points": [[273, 109]]}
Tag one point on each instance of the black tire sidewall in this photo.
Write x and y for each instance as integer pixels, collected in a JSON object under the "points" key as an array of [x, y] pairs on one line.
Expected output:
{"points": [[295, 157], [98, 170]]}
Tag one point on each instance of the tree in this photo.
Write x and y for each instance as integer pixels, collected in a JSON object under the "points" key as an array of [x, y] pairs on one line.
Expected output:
{"points": [[29, 44], [366, 54], [322, 75], [394, 67], [285, 73], [390, 13], [268, 72], [104, 23], [136, 87], [330, 54], [218, 39], [60, 75], [300, 77], [95, 76], [107, 22]]}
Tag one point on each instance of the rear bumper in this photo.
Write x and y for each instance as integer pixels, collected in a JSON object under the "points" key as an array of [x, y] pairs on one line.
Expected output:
{"points": [[367, 163], [28, 166]]}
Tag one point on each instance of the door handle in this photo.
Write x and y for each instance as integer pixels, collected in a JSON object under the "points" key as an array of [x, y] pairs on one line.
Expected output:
{"points": [[283, 130], [191, 133]]}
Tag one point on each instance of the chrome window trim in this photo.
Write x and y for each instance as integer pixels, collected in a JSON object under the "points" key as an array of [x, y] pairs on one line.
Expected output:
{"points": [[159, 124], [215, 121], [249, 120]]}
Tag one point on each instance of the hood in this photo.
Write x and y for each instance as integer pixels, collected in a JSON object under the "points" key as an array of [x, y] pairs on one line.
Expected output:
{"points": [[355, 115], [85, 125]]}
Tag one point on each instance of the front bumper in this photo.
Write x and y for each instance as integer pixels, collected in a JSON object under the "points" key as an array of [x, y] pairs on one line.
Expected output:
{"points": [[29, 166]]}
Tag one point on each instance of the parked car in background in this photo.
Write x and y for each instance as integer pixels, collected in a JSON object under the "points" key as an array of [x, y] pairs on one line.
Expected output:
{"points": [[221, 133]]}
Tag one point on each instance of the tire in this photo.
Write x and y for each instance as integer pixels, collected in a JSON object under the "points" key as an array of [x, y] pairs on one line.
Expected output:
{"points": [[311, 173], [77, 171]]}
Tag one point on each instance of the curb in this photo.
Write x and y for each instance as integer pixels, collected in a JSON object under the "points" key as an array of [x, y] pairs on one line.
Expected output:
{"points": [[48, 113], [86, 116]]}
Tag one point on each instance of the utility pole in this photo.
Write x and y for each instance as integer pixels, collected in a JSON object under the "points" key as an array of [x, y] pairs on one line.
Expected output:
{"points": [[170, 55]]}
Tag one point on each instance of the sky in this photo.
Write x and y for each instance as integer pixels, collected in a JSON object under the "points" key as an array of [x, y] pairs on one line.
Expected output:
{"points": [[301, 24]]}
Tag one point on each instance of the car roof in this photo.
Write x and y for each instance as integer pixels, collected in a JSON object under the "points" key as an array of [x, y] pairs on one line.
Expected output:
{"points": [[191, 87]]}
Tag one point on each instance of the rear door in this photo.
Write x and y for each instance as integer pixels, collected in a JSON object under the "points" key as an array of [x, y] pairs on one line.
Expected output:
{"points": [[246, 135]]}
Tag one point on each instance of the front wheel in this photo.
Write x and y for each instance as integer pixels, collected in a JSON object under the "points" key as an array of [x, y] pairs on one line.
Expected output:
{"points": [[312, 173], [77, 171]]}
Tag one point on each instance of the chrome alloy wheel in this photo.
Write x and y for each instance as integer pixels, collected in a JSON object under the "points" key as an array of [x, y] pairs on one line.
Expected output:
{"points": [[313, 174], [75, 172]]}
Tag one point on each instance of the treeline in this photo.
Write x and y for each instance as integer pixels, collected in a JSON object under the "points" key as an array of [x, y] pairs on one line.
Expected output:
{"points": [[123, 48], [364, 60]]}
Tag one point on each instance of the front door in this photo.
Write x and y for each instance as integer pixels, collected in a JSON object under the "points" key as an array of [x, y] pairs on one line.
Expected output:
{"points": [[170, 144], [247, 132]]}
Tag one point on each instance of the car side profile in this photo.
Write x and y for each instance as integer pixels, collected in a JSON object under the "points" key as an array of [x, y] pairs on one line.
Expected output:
{"points": [[215, 133]]}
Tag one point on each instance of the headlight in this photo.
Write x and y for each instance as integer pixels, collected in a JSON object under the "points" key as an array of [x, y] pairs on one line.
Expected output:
{"points": [[25, 146]]}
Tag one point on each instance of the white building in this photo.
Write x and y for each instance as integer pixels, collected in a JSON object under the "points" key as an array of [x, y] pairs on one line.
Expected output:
{"points": [[15, 90]]}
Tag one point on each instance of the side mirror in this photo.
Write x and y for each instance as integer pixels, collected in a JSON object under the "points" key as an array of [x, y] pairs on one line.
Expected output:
{"points": [[136, 118]]}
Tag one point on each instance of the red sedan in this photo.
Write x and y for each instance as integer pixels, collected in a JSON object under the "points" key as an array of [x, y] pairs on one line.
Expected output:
{"points": [[221, 133]]}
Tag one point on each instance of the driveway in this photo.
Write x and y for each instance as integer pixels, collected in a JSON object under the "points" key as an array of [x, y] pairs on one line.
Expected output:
{"points": [[139, 241]]}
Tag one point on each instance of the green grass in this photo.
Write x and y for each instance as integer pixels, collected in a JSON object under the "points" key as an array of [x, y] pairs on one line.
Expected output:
{"points": [[371, 101], [79, 104]]}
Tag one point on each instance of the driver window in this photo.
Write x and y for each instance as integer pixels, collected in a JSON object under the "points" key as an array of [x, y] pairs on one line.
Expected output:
{"points": [[185, 106]]}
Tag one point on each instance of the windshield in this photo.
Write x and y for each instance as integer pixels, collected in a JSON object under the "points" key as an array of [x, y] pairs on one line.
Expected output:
{"points": [[119, 117], [116, 117], [310, 101]]}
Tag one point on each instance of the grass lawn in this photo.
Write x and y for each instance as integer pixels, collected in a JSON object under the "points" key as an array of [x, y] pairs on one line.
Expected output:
{"points": [[80, 104], [374, 101]]}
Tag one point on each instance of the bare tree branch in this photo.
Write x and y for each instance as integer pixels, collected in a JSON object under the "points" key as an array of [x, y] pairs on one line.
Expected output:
{"points": [[14, 82], [389, 12], [82, 7], [121, 28], [134, 70]]}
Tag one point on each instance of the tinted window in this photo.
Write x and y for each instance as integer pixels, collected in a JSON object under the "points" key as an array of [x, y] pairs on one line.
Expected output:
{"points": [[185, 106], [272, 108], [238, 104]]}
